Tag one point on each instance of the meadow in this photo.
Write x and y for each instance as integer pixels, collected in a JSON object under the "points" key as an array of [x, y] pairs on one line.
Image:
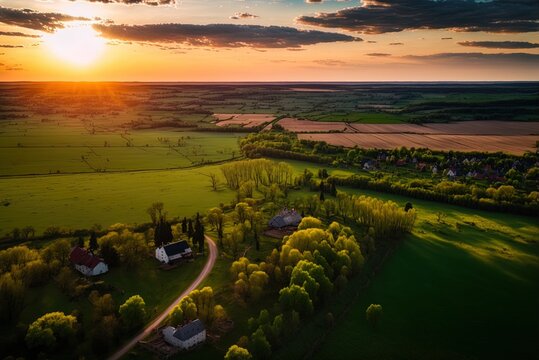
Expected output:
{"points": [[461, 287]]}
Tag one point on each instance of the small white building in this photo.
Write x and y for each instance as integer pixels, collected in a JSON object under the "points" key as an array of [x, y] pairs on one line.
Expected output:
{"points": [[173, 251], [187, 336], [87, 263]]}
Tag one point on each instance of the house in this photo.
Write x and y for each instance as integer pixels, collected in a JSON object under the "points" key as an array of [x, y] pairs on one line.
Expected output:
{"points": [[451, 173], [87, 263], [186, 336], [285, 218], [173, 251]]}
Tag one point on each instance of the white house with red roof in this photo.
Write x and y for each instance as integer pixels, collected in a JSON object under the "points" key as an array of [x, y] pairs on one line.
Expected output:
{"points": [[87, 263]]}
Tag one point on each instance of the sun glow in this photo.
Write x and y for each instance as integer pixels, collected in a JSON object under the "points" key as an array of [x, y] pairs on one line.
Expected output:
{"points": [[79, 45]]}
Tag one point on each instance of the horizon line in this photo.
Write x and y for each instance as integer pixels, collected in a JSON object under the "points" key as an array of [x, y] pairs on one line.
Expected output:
{"points": [[278, 82]]}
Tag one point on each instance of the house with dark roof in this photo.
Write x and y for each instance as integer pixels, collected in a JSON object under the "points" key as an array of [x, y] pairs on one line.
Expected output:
{"points": [[285, 218], [87, 263], [173, 251], [186, 336]]}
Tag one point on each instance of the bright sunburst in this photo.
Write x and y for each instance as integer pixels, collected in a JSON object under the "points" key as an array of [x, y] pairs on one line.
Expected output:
{"points": [[80, 45]]}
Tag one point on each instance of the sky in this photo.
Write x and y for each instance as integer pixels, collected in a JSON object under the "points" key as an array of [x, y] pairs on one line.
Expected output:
{"points": [[269, 40]]}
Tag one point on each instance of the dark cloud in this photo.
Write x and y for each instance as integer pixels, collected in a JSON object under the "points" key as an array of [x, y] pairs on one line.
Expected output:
{"points": [[381, 16], [35, 20], [221, 35], [396, 43], [447, 38], [15, 33], [378, 54], [135, 2], [480, 59], [501, 44], [243, 15], [10, 46], [372, 42]]}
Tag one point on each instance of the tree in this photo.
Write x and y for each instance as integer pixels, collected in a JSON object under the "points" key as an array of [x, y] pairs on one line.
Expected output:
{"points": [[49, 329], [190, 230], [198, 235], [155, 211], [28, 232], [408, 206], [184, 225], [214, 181], [237, 353], [216, 218], [93, 246], [11, 298], [58, 250], [163, 233], [374, 313], [80, 242], [133, 312], [257, 225], [295, 298], [333, 189], [175, 317], [259, 345]]}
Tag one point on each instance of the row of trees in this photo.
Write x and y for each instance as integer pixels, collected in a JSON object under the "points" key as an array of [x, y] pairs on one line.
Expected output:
{"points": [[502, 198], [248, 175]]}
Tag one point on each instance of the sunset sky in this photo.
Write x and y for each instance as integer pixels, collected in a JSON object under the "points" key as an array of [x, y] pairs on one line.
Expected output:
{"points": [[265, 40]]}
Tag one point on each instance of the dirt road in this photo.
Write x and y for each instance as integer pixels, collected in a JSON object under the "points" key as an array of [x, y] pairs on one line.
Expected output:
{"points": [[157, 321]]}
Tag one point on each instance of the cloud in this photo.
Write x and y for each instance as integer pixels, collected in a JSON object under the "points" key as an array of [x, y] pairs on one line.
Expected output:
{"points": [[330, 62], [382, 16], [396, 43], [35, 20], [15, 33], [501, 44], [10, 46], [480, 59], [136, 2], [243, 15], [447, 38], [378, 54], [221, 35]]}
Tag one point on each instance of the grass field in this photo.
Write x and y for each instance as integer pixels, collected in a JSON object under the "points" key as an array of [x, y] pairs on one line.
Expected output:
{"points": [[79, 201], [465, 288], [29, 147]]}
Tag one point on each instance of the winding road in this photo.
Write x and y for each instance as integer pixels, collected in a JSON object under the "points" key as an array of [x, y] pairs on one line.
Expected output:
{"points": [[155, 323]]}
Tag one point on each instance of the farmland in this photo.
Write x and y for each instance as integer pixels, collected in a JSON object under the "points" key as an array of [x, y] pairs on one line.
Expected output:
{"points": [[466, 143], [84, 159]]}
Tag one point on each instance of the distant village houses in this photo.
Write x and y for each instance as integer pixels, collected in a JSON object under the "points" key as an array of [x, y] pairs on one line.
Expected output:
{"points": [[87, 263], [173, 252], [187, 336]]}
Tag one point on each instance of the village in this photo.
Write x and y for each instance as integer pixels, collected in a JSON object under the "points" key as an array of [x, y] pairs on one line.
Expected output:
{"points": [[166, 341]]}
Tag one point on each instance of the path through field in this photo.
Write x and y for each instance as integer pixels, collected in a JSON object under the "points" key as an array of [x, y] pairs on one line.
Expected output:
{"points": [[155, 323]]}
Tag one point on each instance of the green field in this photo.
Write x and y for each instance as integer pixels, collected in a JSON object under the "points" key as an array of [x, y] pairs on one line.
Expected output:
{"points": [[465, 288], [29, 148], [79, 201]]}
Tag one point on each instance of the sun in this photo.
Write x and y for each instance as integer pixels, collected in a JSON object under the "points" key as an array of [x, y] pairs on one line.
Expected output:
{"points": [[79, 45]]}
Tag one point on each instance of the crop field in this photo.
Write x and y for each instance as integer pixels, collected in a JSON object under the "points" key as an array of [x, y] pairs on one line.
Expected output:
{"points": [[456, 128], [454, 289], [243, 120], [489, 143]]}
